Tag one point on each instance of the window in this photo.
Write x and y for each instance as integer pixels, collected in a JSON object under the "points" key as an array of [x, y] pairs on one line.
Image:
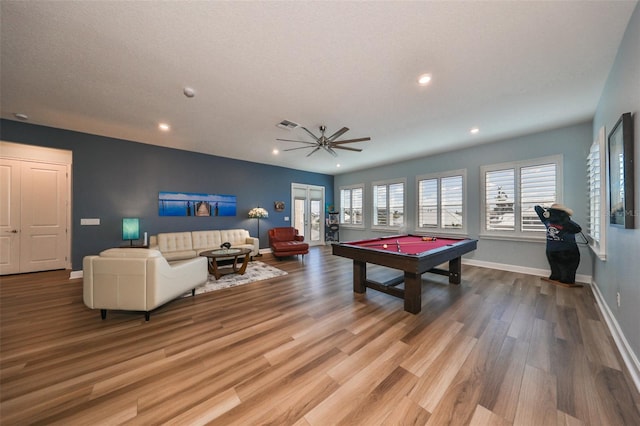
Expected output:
{"points": [[441, 201], [351, 205], [388, 204], [511, 190], [597, 193]]}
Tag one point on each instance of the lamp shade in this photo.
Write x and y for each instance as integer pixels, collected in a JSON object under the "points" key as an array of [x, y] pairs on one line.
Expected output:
{"points": [[258, 212], [130, 228]]}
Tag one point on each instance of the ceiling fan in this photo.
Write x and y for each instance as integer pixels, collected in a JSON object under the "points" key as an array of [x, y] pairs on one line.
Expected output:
{"points": [[327, 143]]}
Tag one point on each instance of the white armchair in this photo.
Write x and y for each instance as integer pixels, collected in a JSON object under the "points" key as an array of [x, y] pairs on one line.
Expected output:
{"points": [[135, 279]]}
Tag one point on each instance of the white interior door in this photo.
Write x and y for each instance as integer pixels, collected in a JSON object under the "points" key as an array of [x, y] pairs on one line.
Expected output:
{"points": [[34, 209], [308, 212], [9, 216], [43, 217]]}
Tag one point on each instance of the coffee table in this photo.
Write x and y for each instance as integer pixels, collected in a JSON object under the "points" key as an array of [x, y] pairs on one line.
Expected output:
{"points": [[214, 255]]}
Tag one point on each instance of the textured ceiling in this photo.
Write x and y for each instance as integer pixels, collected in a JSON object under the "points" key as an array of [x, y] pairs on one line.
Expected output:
{"points": [[118, 69]]}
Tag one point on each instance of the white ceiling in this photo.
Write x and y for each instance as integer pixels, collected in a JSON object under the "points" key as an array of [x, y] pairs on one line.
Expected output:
{"points": [[118, 69]]}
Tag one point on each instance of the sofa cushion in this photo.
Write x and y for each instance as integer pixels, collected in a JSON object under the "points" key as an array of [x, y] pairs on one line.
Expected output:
{"points": [[283, 234], [175, 241], [206, 240], [130, 253], [286, 246], [234, 236]]}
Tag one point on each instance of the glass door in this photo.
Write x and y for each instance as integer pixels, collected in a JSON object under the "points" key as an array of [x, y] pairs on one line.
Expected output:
{"points": [[308, 212]]}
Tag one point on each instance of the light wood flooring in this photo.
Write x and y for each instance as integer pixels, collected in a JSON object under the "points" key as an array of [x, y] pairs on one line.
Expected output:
{"points": [[500, 349]]}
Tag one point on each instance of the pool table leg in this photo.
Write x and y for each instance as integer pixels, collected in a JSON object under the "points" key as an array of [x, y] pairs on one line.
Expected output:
{"points": [[412, 292], [455, 270], [359, 276]]}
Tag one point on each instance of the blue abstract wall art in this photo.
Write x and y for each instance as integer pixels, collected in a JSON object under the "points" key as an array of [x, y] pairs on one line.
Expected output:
{"points": [[192, 204]]}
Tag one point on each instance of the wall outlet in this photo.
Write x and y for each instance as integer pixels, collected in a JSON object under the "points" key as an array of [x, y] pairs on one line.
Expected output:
{"points": [[618, 299], [286, 218]]}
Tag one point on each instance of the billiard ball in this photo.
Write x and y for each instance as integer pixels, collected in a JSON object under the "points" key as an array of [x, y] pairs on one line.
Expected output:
{"points": [[384, 246]]}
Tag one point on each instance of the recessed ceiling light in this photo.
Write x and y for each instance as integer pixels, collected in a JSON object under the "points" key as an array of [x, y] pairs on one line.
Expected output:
{"points": [[275, 151], [164, 127], [21, 116], [474, 130], [338, 165], [424, 79], [189, 92]]}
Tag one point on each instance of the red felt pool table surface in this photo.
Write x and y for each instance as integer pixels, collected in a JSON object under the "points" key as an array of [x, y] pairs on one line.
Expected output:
{"points": [[411, 254], [408, 244]]}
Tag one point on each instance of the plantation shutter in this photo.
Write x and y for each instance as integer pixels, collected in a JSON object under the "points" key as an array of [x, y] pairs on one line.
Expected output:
{"points": [[500, 196], [380, 205], [396, 204], [593, 171], [356, 209], [451, 195], [537, 187], [345, 206], [428, 203]]}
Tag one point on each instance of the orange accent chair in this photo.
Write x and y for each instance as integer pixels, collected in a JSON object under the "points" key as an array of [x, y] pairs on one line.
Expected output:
{"points": [[285, 241]]}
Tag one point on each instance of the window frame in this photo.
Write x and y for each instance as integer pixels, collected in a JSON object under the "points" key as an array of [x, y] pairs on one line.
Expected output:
{"points": [[351, 188], [517, 233], [439, 229], [387, 183], [598, 243]]}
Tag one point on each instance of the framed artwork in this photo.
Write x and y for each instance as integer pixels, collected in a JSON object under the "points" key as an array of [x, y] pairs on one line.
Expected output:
{"points": [[621, 207], [278, 206], [192, 204]]}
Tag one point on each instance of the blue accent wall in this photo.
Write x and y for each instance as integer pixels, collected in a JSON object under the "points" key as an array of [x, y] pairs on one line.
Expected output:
{"points": [[114, 178]]}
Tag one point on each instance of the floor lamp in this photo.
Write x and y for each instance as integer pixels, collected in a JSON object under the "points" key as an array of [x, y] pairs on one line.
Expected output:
{"points": [[258, 213]]}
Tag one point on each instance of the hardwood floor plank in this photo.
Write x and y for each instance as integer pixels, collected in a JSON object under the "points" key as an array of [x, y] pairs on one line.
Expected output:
{"points": [[208, 410], [542, 342], [379, 403], [437, 379], [537, 398], [350, 394], [406, 412], [474, 378], [483, 417], [505, 402], [434, 343]]}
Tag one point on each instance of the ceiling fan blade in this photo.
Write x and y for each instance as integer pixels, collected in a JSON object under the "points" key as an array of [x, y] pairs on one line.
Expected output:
{"points": [[312, 135], [347, 148], [300, 147], [291, 140], [317, 148], [351, 141], [330, 151], [337, 134]]}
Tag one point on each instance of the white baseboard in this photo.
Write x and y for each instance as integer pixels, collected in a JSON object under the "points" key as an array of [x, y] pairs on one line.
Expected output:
{"points": [[519, 269], [76, 274], [629, 357]]}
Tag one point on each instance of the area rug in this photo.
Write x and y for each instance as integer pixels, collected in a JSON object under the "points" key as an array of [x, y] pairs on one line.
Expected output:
{"points": [[256, 271]]}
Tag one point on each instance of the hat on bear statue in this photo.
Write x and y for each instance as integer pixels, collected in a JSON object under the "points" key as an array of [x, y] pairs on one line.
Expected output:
{"points": [[560, 207]]}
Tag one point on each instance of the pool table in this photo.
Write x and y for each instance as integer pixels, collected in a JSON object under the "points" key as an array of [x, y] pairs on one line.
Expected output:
{"points": [[412, 254]]}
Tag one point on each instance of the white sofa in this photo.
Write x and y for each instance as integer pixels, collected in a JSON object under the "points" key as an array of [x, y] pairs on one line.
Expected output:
{"points": [[187, 245], [136, 279]]}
